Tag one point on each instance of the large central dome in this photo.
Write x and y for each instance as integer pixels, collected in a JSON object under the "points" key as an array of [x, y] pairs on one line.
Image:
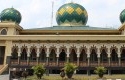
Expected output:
{"points": [[71, 14]]}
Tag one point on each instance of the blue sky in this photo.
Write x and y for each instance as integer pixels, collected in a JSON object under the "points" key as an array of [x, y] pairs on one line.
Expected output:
{"points": [[37, 13]]}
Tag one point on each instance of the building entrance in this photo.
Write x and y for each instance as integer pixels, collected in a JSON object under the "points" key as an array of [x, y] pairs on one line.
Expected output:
{"points": [[2, 53]]}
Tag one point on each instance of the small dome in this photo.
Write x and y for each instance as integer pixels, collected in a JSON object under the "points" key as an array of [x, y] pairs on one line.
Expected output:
{"points": [[10, 14], [71, 14], [122, 16]]}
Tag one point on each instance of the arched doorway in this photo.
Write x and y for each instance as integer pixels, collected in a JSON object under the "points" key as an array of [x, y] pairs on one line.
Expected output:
{"points": [[33, 54], [14, 54], [52, 55], [83, 56], [62, 55], [24, 54], [103, 56], [2, 53], [42, 56], [123, 55], [114, 56], [93, 56], [73, 56]]}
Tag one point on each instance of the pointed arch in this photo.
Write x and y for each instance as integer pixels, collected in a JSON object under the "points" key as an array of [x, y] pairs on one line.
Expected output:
{"points": [[122, 53], [42, 55], [73, 55], [83, 55], [24, 53], [62, 55], [14, 54], [52, 55], [33, 54], [114, 55], [4, 32], [103, 55], [93, 54]]}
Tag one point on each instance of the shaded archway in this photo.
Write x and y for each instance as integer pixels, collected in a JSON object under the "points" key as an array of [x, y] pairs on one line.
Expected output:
{"points": [[83, 56], [24, 54], [4, 32], [123, 55], [42, 55], [114, 55], [52, 55], [14, 54], [62, 55], [33, 54], [73, 55], [93, 56], [103, 56]]}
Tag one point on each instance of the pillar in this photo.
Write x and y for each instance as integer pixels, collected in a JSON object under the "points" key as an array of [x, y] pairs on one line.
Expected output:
{"points": [[28, 56], [109, 61], [37, 57], [57, 56], [88, 61], [119, 61], [98, 56], [19, 52], [57, 61], [77, 61], [119, 57], [98, 61], [47, 56], [109, 72]]}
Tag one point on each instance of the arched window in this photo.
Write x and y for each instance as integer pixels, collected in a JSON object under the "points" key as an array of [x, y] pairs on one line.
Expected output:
{"points": [[83, 56], [24, 54], [52, 55], [123, 55], [103, 56], [73, 55], [114, 55], [62, 55], [93, 56], [42, 55], [4, 32], [14, 54], [33, 55]]}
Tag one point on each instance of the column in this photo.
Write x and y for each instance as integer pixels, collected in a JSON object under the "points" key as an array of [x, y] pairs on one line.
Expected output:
{"points": [[37, 57], [119, 57], [28, 56], [67, 54], [78, 55], [98, 55], [109, 72], [77, 61], [88, 61], [47, 56], [109, 57], [19, 52], [57, 56], [88, 56]]}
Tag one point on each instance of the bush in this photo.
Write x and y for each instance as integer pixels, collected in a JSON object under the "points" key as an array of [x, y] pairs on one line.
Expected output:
{"points": [[39, 70], [100, 71]]}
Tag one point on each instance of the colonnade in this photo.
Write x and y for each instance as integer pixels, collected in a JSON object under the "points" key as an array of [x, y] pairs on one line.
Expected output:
{"points": [[72, 52]]}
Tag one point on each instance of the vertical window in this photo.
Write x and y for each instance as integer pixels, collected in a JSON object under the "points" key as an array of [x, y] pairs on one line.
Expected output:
{"points": [[4, 32]]}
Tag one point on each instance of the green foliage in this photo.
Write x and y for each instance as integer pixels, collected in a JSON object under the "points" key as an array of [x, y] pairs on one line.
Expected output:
{"points": [[39, 70], [69, 68], [100, 70]]}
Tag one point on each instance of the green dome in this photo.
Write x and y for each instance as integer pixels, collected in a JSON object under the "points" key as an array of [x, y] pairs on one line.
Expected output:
{"points": [[71, 14], [122, 16], [10, 14]]}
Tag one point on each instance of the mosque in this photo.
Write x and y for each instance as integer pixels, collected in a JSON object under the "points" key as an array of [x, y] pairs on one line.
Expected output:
{"points": [[70, 41]]}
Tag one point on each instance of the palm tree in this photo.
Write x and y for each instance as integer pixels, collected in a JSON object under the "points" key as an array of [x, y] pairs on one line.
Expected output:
{"points": [[69, 69], [100, 71], [39, 70]]}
